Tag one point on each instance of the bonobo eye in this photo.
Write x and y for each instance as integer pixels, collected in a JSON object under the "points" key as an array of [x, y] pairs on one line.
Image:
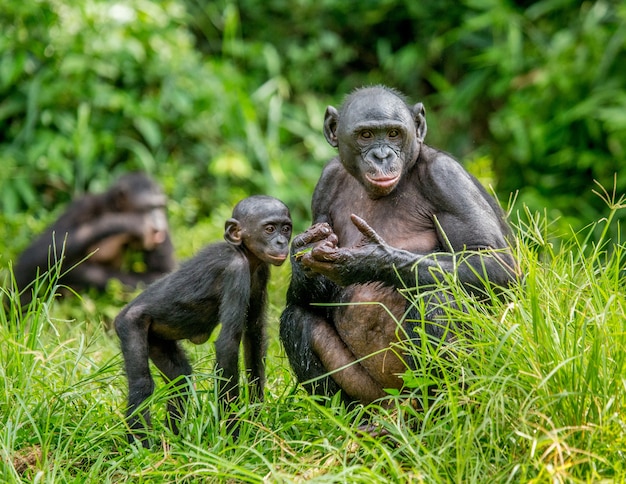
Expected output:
{"points": [[270, 229], [286, 231], [393, 133], [366, 134]]}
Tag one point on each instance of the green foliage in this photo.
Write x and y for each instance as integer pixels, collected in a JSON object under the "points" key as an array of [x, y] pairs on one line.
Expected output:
{"points": [[93, 89], [561, 122], [537, 87], [223, 99]]}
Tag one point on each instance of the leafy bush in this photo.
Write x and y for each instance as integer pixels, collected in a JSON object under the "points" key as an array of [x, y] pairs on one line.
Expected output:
{"points": [[560, 117], [223, 99], [96, 88], [536, 87]]}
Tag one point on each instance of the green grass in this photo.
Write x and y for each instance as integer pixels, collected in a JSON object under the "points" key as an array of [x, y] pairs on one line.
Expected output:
{"points": [[537, 394]]}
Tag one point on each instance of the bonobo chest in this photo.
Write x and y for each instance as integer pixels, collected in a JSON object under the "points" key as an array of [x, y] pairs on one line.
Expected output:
{"points": [[404, 219]]}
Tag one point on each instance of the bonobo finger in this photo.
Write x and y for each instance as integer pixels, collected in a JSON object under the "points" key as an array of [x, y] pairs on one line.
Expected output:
{"points": [[325, 251], [325, 245], [321, 259], [314, 233], [369, 233]]}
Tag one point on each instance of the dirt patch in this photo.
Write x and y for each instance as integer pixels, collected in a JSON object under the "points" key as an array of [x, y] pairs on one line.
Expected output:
{"points": [[26, 459]]}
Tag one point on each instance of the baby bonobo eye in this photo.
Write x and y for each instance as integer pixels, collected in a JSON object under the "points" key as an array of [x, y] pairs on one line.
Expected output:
{"points": [[270, 229]]}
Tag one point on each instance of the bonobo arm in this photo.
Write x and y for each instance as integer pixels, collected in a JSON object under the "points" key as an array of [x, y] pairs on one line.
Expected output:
{"points": [[375, 260], [73, 242], [470, 233], [160, 260], [109, 224], [254, 341], [235, 296], [307, 285]]}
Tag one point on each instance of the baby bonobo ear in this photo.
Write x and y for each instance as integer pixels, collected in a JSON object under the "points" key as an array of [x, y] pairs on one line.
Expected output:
{"points": [[232, 231]]}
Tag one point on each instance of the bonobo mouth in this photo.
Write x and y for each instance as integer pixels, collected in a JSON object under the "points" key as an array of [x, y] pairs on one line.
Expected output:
{"points": [[383, 181], [276, 259]]}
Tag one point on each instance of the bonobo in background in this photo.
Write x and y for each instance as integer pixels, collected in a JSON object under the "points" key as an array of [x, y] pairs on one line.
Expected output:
{"points": [[387, 211], [224, 283], [130, 215]]}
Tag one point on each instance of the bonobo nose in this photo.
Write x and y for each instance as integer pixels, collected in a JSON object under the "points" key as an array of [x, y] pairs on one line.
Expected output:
{"points": [[158, 236], [382, 154]]}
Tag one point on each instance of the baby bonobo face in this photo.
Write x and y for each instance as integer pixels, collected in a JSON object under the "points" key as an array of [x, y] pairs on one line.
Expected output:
{"points": [[269, 238], [262, 224]]}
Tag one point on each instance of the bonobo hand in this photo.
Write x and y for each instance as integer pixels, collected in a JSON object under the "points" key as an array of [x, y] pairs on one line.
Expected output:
{"points": [[349, 265], [317, 235]]}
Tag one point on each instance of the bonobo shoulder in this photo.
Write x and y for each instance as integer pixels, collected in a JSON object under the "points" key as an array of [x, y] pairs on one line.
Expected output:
{"points": [[211, 261], [333, 178], [438, 164], [219, 254], [333, 170], [446, 178]]}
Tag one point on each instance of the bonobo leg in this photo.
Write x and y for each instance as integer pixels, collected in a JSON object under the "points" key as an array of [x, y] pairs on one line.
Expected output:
{"points": [[295, 333], [254, 353], [349, 374], [428, 319], [314, 349], [171, 361], [90, 274], [133, 335]]}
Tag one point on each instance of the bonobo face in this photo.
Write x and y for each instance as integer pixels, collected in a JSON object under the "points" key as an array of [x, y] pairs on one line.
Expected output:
{"points": [[157, 227], [151, 205], [270, 239], [377, 137], [139, 194], [262, 226]]}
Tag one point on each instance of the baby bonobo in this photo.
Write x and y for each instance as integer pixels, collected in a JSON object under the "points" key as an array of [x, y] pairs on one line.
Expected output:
{"points": [[226, 282]]}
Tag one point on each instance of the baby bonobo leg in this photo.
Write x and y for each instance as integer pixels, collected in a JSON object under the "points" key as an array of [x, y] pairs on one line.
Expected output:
{"points": [[171, 361]]}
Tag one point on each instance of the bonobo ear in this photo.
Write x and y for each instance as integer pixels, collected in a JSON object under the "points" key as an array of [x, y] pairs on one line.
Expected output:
{"points": [[419, 116], [331, 118], [232, 232]]}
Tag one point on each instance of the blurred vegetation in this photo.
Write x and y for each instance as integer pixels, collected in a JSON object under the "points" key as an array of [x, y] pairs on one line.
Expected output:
{"points": [[226, 98]]}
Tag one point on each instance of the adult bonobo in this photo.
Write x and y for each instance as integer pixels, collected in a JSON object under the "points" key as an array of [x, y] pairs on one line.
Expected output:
{"points": [[388, 212], [129, 216]]}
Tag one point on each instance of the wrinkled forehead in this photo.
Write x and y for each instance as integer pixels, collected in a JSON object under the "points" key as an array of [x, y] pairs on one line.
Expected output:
{"points": [[374, 106]]}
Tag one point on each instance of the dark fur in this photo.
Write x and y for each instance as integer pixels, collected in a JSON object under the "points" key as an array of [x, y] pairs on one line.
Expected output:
{"points": [[128, 216], [224, 283], [417, 209]]}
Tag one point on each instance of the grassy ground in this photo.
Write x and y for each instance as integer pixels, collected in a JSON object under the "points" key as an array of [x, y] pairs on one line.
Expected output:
{"points": [[537, 394]]}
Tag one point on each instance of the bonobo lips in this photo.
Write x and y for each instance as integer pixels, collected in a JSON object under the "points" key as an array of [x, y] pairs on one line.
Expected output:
{"points": [[383, 181], [276, 259]]}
